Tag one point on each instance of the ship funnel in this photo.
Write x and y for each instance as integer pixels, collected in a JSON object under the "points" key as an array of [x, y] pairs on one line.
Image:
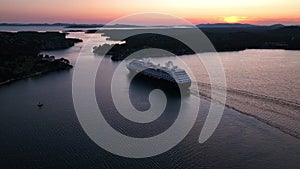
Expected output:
{"points": [[169, 64]]}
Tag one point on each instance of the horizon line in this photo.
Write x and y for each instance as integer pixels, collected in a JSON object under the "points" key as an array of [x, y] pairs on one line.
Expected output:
{"points": [[207, 23]]}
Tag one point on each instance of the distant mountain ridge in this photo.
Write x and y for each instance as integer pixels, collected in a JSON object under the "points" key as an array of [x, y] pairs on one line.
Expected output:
{"points": [[69, 25], [224, 25], [236, 25], [35, 24], [78, 25]]}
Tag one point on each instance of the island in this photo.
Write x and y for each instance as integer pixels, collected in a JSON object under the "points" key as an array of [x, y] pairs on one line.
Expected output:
{"points": [[224, 37], [20, 54]]}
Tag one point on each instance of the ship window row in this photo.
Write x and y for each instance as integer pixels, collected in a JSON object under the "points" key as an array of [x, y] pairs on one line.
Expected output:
{"points": [[159, 73], [180, 73], [182, 77]]}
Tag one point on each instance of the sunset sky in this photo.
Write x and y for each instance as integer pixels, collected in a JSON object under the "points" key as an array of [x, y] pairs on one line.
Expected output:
{"points": [[195, 11]]}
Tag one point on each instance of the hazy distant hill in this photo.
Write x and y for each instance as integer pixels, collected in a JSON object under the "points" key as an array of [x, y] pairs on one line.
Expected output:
{"points": [[225, 25], [34, 24], [84, 26], [236, 25], [73, 25]]}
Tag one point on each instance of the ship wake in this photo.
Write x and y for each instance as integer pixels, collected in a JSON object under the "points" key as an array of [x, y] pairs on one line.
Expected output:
{"points": [[277, 112]]}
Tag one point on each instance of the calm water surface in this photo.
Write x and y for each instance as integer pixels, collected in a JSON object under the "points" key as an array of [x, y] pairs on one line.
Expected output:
{"points": [[52, 137]]}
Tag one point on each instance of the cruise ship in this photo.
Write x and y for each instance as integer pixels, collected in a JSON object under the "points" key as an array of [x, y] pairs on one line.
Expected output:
{"points": [[168, 74]]}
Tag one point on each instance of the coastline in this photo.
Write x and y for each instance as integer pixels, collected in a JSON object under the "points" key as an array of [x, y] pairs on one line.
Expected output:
{"points": [[7, 82], [222, 40], [21, 57], [16, 79]]}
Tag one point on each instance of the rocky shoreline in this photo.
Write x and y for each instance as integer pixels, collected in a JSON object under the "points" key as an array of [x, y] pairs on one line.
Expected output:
{"points": [[20, 55]]}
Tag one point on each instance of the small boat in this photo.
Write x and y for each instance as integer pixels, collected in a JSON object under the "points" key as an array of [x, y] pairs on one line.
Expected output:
{"points": [[40, 105]]}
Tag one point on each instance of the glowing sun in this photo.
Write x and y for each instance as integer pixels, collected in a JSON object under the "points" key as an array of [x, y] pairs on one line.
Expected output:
{"points": [[233, 19]]}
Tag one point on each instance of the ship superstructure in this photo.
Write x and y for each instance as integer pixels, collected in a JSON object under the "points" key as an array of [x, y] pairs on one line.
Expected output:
{"points": [[167, 73]]}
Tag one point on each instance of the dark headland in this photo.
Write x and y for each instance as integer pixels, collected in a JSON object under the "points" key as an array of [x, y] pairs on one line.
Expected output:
{"points": [[224, 37], [20, 54]]}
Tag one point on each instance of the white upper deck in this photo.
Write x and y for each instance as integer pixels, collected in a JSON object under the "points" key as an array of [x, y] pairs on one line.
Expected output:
{"points": [[177, 73]]}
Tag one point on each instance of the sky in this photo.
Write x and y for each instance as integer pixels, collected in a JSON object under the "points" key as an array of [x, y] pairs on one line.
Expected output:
{"points": [[264, 12]]}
